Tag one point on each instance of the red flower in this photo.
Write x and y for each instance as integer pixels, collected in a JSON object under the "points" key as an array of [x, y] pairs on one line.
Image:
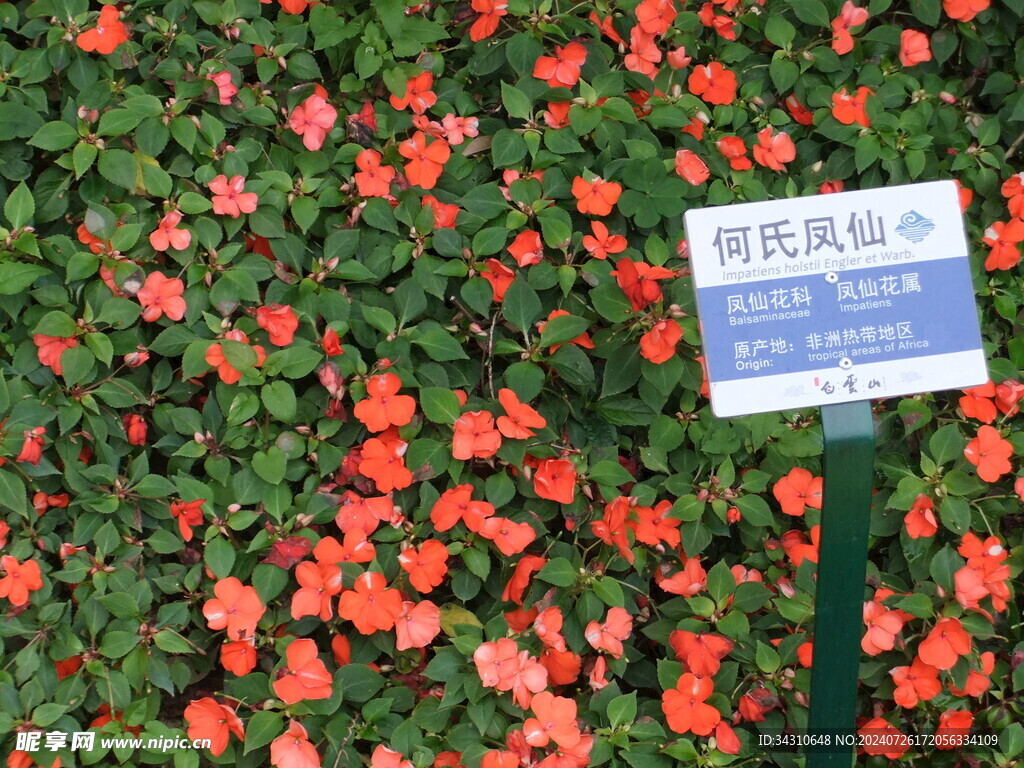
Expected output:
{"points": [[713, 83], [1003, 238], [882, 627], [228, 197], [166, 235], [381, 461], [691, 168], [774, 150], [108, 33], [161, 295], [279, 321], [850, 109], [318, 584], [228, 373], [356, 548], [188, 514], [516, 586], [383, 757], [920, 520], [607, 27], [226, 90], [207, 718], [952, 723], [655, 17], [426, 162], [600, 244], [445, 214], [32, 448], [370, 605], [417, 95], [417, 625], [881, 738], [608, 637], [527, 248], [945, 644], [918, 682], [313, 119], [487, 22], [19, 579], [850, 16], [383, 406], [292, 749], [373, 179], [555, 720], [659, 344], [304, 677], [562, 69], [964, 10], [797, 489], [1008, 395], [456, 505], [976, 403], [596, 197], [235, 607], [990, 453], [50, 348], [239, 657], [520, 420], [644, 53], [638, 280], [426, 565], [735, 151], [914, 48], [685, 708], [475, 436], [499, 276], [331, 343], [701, 653], [509, 537], [798, 111], [677, 59], [555, 480]]}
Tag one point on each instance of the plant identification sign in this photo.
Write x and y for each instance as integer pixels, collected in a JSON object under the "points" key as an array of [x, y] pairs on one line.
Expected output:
{"points": [[833, 298]]}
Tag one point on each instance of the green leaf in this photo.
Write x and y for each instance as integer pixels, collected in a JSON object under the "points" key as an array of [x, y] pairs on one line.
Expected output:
{"points": [[507, 148], [521, 305], [622, 709], [117, 644], [270, 465], [279, 398], [100, 346], [563, 328], [955, 514], [440, 345], [610, 473], [947, 444], [54, 136], [517, 104], [262, 728], [118, 167], [220, 557], [239, 355], [20, 206], [811, 12], [440, 405], [767, 658], [117, 122], [82, 157], [559, 572], [12, 493], [16, 276]]}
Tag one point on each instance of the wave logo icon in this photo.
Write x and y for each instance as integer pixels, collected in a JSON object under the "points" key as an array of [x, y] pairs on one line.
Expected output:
{"points": [[914, 227]]}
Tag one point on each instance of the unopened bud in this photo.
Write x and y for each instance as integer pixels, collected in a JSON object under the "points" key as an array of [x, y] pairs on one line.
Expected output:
{"points": [[947, 97], [199, 437]]}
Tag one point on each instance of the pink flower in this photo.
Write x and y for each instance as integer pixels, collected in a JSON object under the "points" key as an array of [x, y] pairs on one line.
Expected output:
{"points": [[914, 48], [226, 89], [228, 197], [849, 16], [313, 119], [161, 295], [456, 129], [166, 235]]}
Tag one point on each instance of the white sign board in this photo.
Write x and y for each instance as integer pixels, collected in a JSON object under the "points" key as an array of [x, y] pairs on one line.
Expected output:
{"points": [[833, 298]]}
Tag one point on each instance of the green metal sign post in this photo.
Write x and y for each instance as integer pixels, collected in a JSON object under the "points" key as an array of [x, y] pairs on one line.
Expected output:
{"points": [[842, 570]]}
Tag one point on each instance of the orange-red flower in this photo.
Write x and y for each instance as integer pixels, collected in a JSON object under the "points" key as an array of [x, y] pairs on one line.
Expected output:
{"points": [[976, 403], [499, 276], [384, 757], [659, 344], [475, 436], [952, 723], [292, 749], [188, 514], [509, 537], [487, 22], [597, 197], [455, 505], [600, 244], [497, 663], [373, 179], [914, 48], [1008, 395], [850, 16], [882, 627], [798, 111], [161, 295], [357, 512], [417, 625], [849, 109], [207, 718], [774, 150], [383, 406], [798, 489], [655, 17], [426, 162], [713, 83], [32, 448], [608, 637], [331, 343], [691, 168], [227, 372], [977, 681], [381, 461], [914, 683], [108, 33], [167, 235], [882, 738], [583, 340], [644, 53], [685, 705], [235, 607], [371, 606], [313, 119], [418, 95], [228, 197], [1004, 239], [318, 584], [945, 644], [304, 676], [920, 520], [964, 10], [19, 579], [239, 656], [990, 453], [520, 419], [279, 321], [554, 720], [516, 586], [555, 480], [356, 548], [50, 348], [562, 69], [445, 214], [426, 565], [639, 281], [687, 582], [701, 653], [735, 151]]}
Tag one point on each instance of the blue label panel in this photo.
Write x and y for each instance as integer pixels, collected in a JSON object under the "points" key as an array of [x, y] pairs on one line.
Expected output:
{"points": [[869, 315]]}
